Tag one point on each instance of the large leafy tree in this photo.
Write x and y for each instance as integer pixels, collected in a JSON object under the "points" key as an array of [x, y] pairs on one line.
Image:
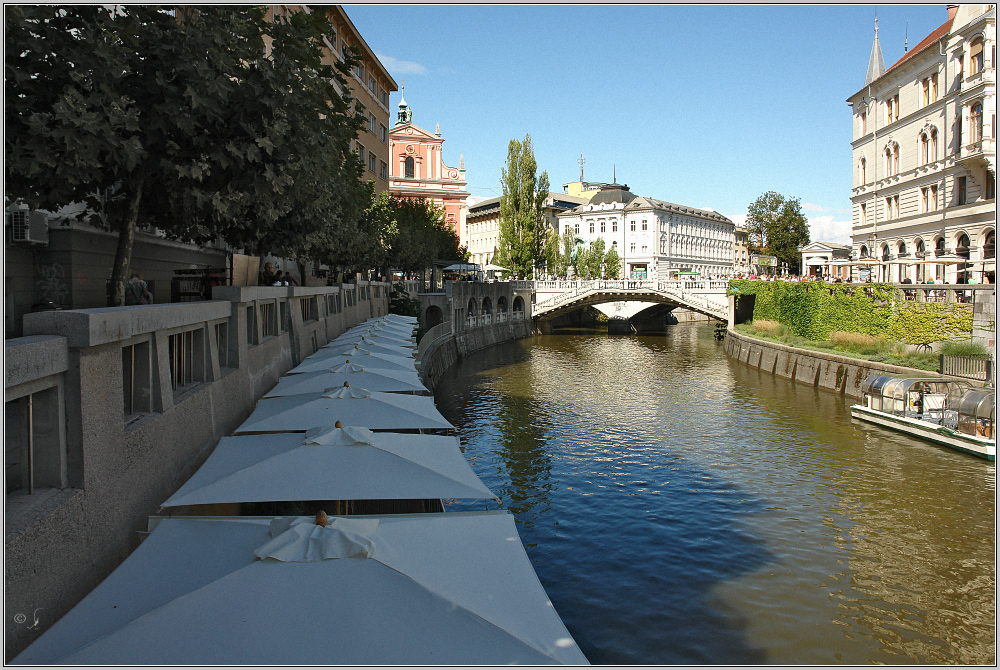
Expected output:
{"points": [[521, 244], [596, 258], [777, 226], [183, 120], [612, 262], [423, 235]]}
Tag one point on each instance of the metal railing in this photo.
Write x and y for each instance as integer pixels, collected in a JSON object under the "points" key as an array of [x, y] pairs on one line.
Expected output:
{"points": [[977, 367]]}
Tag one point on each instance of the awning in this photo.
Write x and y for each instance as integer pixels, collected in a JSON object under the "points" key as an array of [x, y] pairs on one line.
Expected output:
{"points": [[375, 379]]}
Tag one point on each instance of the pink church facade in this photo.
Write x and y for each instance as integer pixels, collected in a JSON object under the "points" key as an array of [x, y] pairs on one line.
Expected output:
{"points": [[417, 169]]}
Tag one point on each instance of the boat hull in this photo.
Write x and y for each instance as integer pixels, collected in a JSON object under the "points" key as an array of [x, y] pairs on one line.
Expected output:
{"points": [[977, 446]]}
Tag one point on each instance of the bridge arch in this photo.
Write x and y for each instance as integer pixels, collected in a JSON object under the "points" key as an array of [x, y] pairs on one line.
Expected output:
{"points": [[705, 297]]}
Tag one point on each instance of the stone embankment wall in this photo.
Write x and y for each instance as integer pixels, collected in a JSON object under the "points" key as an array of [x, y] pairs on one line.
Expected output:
{"points": [[839, 374], [110, 410], [446, 351]]}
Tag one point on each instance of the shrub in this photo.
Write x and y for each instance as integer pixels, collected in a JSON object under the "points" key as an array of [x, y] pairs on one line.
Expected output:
{"points": [[964, 348], [401, 303], [851, 341], [770, 327]]}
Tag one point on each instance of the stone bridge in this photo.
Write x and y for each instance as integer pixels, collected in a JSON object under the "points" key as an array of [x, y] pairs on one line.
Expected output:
{"points": [[554, 298]]}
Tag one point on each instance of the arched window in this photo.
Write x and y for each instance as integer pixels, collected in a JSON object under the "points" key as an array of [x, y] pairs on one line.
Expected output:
{"points": [[976, 56], [891, 159], [862, 168], [864, 251], [990, 245], [408, 167], [920, 267], [976, 122], [901, 248], [928, 146]]}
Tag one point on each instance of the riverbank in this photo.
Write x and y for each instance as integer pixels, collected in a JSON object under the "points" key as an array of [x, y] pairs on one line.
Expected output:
{"points": [[840, 374]]}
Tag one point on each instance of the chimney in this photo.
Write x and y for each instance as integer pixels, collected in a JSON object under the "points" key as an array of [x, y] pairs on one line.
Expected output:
{"points": [[952, 10]]}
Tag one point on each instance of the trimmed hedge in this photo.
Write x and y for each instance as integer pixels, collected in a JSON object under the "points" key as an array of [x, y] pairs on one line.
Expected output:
{"points": [[814, 309]]}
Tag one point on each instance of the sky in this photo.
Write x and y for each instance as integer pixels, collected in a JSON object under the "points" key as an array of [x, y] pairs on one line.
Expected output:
{"points": [[707, 106]]}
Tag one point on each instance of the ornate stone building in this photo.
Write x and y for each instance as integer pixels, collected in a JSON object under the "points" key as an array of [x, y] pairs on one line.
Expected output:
{"points": [[417, 169], [924, 155], [654, 239]]}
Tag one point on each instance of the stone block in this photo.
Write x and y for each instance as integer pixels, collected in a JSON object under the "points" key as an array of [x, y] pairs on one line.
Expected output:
{"points": [[34, 357], [807, 370]]}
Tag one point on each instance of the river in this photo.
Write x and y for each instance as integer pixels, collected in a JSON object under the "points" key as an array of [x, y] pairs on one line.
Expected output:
{"points": [[681, 508]]}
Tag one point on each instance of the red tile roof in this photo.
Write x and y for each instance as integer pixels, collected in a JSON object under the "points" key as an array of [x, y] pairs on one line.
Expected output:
{"points": [[926, 42]]}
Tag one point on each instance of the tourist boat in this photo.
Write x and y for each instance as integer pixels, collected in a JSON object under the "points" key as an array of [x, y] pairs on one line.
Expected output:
{"points": [[952, 413]]}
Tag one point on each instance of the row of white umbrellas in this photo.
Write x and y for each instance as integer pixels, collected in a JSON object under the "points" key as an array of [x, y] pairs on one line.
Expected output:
{"points": [[443, 588]]}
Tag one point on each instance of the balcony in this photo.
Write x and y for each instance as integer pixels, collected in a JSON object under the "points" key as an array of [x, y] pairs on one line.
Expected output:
{"points": [[979, 153]]}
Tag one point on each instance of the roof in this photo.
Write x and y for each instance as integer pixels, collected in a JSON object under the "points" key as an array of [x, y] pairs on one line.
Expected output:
{"points": [[941, 31], [613, 193]]}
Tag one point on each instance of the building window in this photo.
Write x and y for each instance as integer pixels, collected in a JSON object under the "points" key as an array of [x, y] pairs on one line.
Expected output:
{"points": [[371, 84], [976, 123], [591, 226], [961, 187], [137, 375], [864, 122], [976, 57], [602, 225], [222, 343], [383, 96], [893, 108], [863, 218], [863, 171], [614, 226], [332, 37], [929, 198], [633, 248], [991, 186], [383, 170], [371, 123], [892, 207], [633, 226], [382, 133], [408, 167], [891, 160], [576, 228], [361, 154], [359, 70], [644, 248], [930, 89], [372, 161], [34, 445], [928, 146], [185, 352], [644, 226], [269, 319]]}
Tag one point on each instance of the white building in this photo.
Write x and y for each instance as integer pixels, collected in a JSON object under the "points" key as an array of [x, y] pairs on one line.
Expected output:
{"points": [[654, 239], [924, 155]]}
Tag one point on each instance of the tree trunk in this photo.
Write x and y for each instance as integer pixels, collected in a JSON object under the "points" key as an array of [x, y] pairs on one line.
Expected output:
{"points": [[126, 238]]}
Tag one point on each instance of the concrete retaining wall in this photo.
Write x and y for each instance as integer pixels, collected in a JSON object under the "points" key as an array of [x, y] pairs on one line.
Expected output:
{"points": [[839, 374], [448, 350], [100, 473]]}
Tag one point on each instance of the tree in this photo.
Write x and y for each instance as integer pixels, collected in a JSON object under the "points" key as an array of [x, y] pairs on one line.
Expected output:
{"points": [[777, 226], [568, 242], [422, 235], [522, 227], [612, 262], [552, 259], [596, 258], [182, 122]]}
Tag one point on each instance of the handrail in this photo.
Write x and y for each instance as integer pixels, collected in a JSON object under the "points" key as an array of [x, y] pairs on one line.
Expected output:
{"points": [[441, 330]]}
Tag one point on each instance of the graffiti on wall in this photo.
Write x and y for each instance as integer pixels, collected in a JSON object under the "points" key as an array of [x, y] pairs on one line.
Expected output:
{"points": [[51, 282]]}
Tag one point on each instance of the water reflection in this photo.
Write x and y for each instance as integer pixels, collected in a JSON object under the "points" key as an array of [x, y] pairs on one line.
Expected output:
{"points": [[681, 508]]}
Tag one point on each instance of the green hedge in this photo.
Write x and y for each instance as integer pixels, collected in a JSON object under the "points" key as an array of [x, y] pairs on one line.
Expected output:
{"points": [[814, 309]]}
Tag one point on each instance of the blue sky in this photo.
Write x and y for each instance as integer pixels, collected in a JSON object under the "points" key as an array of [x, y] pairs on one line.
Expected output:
{"points": [[705, 106]]}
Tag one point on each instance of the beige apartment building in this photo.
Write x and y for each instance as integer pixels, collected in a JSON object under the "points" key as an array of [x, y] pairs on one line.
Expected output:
{"points": [[924, 155], [481, 232]]}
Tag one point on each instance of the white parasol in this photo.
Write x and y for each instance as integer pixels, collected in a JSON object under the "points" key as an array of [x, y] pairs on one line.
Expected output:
{"points": [[349, 463], [434, 589], [351, 406]]}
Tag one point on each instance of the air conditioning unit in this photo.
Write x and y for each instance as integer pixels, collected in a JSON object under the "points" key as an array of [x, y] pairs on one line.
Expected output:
{"points": [[28, 227]]}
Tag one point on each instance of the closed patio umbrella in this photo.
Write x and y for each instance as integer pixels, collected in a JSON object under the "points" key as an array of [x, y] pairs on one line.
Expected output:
{"points": [[349, 463], [351, 406], [324, 359], [434, 589], [375, 379]]}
